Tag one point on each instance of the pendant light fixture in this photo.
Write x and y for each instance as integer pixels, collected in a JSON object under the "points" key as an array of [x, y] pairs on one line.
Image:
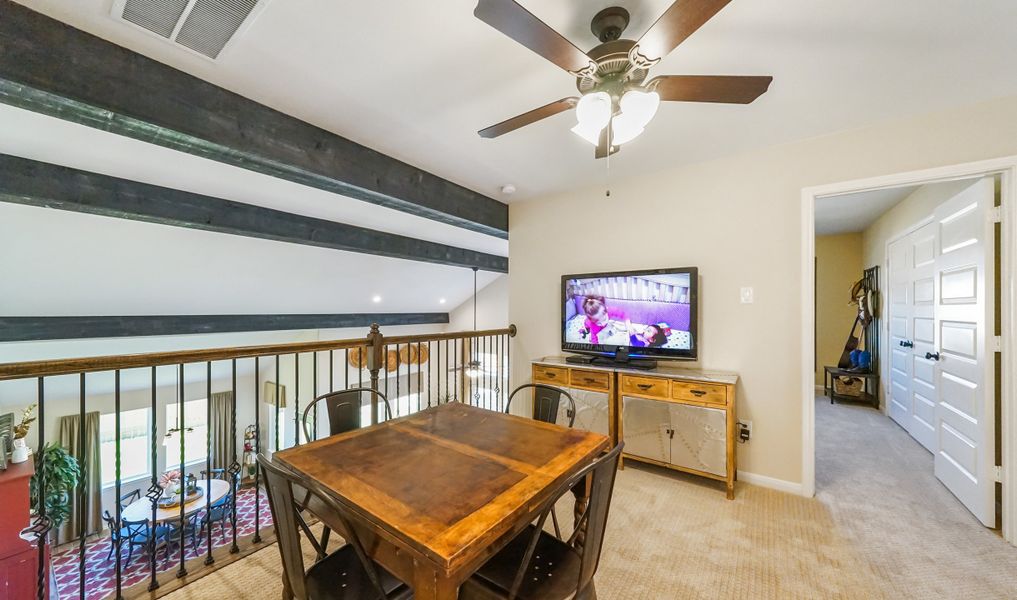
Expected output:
{"points": [[172, 437]]}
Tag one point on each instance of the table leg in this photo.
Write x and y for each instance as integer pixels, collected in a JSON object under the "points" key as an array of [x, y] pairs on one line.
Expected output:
{"points": [[432, 584], [582, 494]]}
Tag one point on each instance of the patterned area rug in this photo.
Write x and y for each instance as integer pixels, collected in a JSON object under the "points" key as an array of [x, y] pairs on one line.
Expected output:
{"points": [[100, 572]]}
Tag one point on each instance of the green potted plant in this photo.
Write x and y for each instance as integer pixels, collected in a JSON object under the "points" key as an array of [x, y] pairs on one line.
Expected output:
{"points": [[20, 453], [58, 472]]}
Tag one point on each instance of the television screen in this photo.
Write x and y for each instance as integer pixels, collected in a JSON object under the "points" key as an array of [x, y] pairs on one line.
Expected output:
{"points": [[649, 313]]}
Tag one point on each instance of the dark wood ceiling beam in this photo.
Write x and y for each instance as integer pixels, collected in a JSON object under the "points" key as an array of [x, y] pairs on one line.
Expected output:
{"points": [[34, 183], [28, 329], [54, 69]]}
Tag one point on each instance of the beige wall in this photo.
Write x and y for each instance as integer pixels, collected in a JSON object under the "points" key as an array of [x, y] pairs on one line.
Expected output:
{"points": [[838, 266], [739, 220]]}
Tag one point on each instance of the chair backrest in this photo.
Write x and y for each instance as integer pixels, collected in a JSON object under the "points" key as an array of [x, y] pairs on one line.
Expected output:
{"points": [[546, 401], [285, 514], [343, 408], [126, 499], [592, 522]]}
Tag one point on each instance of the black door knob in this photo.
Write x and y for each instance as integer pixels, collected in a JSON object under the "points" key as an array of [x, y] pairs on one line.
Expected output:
{"points": [[907, 343], [932, 355]]}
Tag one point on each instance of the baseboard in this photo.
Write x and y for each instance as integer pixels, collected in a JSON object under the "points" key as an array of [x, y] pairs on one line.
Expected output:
{"points": [[773, 483], [820, 390]]}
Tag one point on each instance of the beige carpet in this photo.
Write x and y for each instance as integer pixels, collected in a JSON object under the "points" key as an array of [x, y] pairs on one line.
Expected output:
{"points": [[881, 526]]}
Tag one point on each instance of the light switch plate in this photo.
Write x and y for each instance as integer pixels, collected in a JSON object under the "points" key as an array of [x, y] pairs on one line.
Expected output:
{"points": [[747, 295]]}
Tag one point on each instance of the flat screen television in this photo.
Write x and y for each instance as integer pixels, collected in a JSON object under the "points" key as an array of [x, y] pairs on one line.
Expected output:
{"points": [[626, 314]]}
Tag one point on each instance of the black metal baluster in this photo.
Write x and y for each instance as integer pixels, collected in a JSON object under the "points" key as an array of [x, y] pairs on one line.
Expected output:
{"points": [[208, 460], [420, 377], [278, 421], [508, 362], [296, 398], [82, 493], [257, 450], [486, 376], [360, 371], [116, 471], [346, 362], [314, 391], [154, 491], [429, 356], [182, 571], [42, 523], [388, 374], [497, 373], [438, 367], [457, 363], [398, 376], [235, 468]]}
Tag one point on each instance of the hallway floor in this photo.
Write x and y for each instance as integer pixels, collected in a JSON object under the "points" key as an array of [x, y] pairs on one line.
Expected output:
{"points": [[913, 534]]}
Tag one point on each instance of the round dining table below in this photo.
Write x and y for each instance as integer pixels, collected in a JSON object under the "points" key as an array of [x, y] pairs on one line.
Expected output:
{"points": [[141, 509]]}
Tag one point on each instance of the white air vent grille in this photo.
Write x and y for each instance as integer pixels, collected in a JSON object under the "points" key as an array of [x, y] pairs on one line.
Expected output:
{"points": [[158, 16], [203, 26]]}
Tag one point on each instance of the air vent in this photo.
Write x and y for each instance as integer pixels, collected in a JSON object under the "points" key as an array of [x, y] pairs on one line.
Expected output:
{"points": [[202, 26]]}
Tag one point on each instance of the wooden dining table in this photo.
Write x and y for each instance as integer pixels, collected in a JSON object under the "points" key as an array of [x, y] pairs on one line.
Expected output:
{"points": [[435, 494]]}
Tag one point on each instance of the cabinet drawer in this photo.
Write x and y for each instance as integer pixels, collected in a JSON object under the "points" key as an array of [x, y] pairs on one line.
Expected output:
{"points": [[544, 374], [595, 380], [644, 386], [699, 392]]}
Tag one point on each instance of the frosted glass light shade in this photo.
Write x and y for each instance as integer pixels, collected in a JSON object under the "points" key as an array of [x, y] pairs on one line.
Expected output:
{"points": [[593, 113], [637, 109]]}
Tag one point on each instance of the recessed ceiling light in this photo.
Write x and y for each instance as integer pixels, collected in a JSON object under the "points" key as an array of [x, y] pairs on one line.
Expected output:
{"points": [[376, 299], [441, 301], [508, 189]]}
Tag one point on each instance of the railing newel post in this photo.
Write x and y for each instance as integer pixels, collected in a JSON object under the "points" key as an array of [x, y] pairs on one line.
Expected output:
{"points": [[376, 343]]}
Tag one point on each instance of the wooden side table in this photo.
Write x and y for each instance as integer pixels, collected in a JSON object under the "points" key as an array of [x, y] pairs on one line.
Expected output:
{"points": [[870, 389]]}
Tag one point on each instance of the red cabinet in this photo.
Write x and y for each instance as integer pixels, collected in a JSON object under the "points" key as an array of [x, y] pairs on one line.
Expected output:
{"points": [[18, 558]]}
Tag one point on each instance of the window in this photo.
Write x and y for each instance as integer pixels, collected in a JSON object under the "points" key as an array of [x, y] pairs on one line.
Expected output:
{"points": [[195, 432], [135, 452]]}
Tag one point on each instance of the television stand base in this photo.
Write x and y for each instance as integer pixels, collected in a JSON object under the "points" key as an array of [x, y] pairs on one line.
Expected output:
{"points": [[620, 361]]}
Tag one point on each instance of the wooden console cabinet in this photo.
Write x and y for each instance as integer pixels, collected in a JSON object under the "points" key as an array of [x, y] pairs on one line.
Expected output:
{"points": [[682, 419], [18, 558]]}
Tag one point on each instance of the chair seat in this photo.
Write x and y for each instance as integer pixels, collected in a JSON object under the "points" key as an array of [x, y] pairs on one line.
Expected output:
{"points": [[552, 574], [341, 575]]}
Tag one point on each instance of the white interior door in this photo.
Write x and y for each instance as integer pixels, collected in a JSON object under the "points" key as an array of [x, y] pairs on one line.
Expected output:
{"points": [[963, 367], [922, 393], [899, 319]]}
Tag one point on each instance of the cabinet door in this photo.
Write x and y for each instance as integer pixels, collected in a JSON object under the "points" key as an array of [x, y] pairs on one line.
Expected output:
{"points": [[591, 411], [699, 439], [645, 426]]}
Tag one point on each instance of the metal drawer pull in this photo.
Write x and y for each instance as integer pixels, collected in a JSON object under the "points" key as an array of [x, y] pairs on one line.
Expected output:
{"points": [[644, 386], [589, 380], [697, 393], [550, 374]]}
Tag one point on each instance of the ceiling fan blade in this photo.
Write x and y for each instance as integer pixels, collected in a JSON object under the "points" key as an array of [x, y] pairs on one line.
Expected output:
{"points": [[729, 89], [678, 22], [529, 117], [519, 24]]}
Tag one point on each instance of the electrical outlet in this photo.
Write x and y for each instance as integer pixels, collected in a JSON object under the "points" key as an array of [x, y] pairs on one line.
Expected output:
{"points": [[747, 295], [744, 431]]}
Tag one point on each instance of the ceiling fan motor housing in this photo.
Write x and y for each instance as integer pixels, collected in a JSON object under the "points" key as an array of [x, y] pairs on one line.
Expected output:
{"points": [[609, 23], [614, 70]]}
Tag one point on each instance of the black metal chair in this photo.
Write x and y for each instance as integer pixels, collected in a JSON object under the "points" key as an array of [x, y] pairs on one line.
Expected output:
{"points": [[346, 573], [129, 497], [174, 534], [546, 402], [536, 565], [132, 533], [344, 408], [221, 511], [344, 414]]}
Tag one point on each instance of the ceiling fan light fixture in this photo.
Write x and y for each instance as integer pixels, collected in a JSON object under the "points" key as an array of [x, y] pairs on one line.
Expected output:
{"points": [[593, 111], [637, 110]]}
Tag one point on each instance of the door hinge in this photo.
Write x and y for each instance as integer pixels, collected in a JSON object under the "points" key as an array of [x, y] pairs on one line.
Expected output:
{"points": [[996, 214], [997, 343], [997, 473]]}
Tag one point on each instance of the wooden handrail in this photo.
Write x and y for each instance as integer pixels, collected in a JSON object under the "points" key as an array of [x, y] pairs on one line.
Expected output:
{"points": [[90, 364]]}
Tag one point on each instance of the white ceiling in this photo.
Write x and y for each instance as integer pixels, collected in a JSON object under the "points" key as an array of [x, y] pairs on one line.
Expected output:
{"points": [[416, 80], [851, 213]]}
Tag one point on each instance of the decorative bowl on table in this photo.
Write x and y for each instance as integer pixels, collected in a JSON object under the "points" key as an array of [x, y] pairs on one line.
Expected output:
{"points": [[171, 500]]}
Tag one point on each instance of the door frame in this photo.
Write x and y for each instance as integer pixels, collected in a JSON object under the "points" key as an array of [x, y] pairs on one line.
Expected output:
{"points": [[1006, 168]]}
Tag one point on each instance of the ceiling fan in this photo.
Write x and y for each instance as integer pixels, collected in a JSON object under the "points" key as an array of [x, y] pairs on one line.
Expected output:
{"points": [[617, 101]]}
